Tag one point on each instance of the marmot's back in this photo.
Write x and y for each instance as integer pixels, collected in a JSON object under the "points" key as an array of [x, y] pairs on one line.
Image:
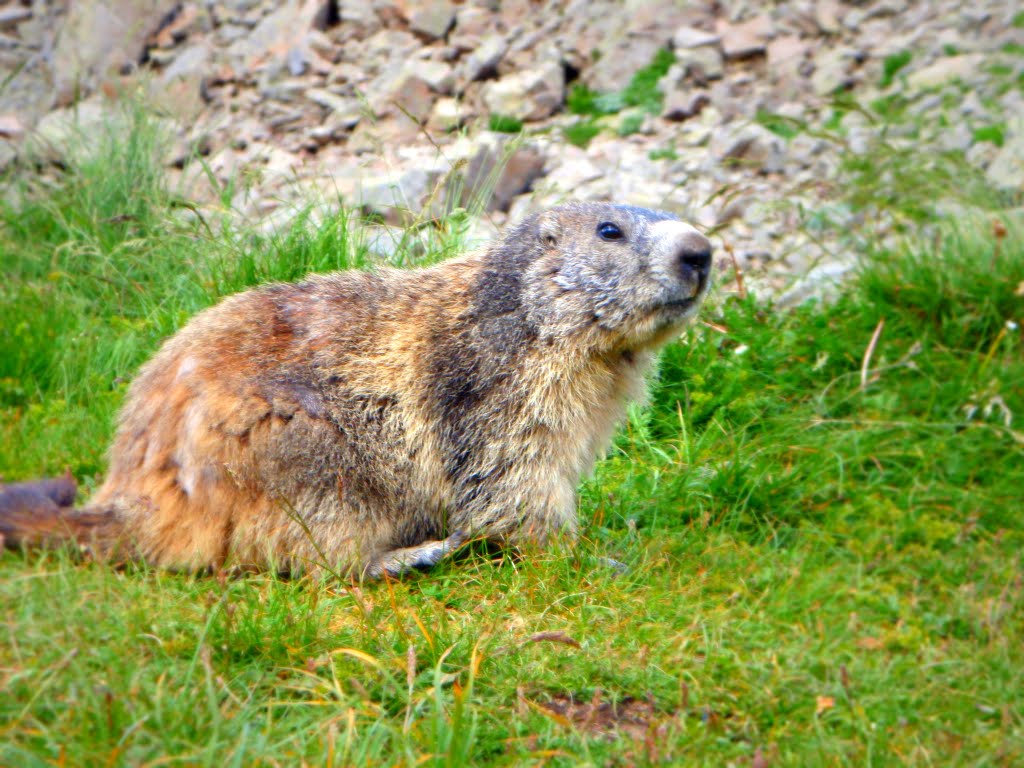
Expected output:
{"points": [[373, 421]]}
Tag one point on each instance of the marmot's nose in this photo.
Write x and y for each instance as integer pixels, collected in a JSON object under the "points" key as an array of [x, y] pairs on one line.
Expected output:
{"points": [[694, 255]]}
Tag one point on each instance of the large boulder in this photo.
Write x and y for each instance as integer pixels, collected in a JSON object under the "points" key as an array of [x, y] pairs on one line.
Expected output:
{"points": [[103, 37]]}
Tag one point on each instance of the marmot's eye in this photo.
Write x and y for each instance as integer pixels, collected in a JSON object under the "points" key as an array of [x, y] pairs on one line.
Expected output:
{"points": [[608, 231]]}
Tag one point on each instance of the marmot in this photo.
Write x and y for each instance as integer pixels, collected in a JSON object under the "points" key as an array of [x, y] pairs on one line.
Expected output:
{"points": [[371, 422]]}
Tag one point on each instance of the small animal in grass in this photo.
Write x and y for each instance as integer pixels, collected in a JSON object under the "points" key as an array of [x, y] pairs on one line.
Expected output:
{"points": [[367, 423]]}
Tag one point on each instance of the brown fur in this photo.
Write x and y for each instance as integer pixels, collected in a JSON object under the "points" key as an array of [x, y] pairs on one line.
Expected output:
{"points": [[373, 421]]}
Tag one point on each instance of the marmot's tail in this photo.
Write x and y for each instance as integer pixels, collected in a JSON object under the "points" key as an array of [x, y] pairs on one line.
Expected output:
{"points": [[39, 514]]}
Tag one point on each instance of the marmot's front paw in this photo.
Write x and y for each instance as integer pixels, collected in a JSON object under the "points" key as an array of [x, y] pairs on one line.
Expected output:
{"points": [[426, 555]]}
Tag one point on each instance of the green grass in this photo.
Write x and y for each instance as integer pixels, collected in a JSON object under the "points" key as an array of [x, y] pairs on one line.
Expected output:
{"points": [[664, 153], [780, 125], [892, 64], [995, 133], [824, 567], [641, 94], [630, 123], [581, 132], [641, 91], [505, 124]]}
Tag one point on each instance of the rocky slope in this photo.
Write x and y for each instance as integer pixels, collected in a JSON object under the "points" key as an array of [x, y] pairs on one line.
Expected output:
{"points": [[724, 113]]}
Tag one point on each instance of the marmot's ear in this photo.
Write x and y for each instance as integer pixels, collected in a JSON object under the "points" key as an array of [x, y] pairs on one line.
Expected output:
{"points": [[548, 229]]}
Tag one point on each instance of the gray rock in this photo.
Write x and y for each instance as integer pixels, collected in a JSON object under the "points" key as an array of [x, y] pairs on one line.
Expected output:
{"points": [[400, 197], [360, 14], [483, 61], [472, 20], [102, 37], [284, 91], [413, 98], [345, 113], [499, 169], [854, 18], [889, 8], [190, 62], [956, 138], [861, 139], [751, 146], [683, 104], [433, 19], [13, 15], [702, 64], [746, 39], [1007, 168], [276, 34], [827, 15], [786, 56], [1012, 102], [74, 131], [804, 150], [530, 94], [967, 67], [831, 71], [574, 171], [621, 56], [438, 76], [971, 105], [691, 37], [11, 127], [295, 60], [179, 89], [388, 45]]}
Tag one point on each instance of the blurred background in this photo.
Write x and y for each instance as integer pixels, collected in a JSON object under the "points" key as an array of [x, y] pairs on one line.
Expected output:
{"points": [[746, 118]]}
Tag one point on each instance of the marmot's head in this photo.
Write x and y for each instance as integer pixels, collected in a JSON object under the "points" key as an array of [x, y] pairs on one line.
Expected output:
{"points": [[610, 275]]}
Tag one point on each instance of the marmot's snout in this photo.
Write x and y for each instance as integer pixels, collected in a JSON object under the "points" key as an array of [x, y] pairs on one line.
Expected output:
{"points": [[685, 256], [694, 258]]}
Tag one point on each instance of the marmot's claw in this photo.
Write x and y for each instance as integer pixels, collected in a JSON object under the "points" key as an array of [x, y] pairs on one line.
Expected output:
{"points": [[426, 555]]}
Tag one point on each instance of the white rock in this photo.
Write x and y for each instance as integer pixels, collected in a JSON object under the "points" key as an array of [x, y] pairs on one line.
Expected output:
{"points": [[573, 172], [447, 115], [691, 37], [530, 94], [966, 67], [436, 74]]}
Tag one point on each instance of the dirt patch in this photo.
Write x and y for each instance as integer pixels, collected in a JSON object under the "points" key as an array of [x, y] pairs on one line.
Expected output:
{"points": [[639, 719]]}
